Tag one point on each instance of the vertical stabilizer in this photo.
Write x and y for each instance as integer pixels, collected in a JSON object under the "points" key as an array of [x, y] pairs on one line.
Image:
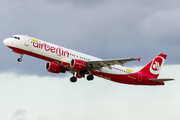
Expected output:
{"points": [[153, 68]]}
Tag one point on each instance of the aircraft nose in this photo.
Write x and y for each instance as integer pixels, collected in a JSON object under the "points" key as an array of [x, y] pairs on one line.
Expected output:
{"points": [[6, 41]]}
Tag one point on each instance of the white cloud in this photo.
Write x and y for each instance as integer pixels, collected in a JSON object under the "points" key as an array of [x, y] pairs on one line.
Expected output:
{"points": [[56, 98]]}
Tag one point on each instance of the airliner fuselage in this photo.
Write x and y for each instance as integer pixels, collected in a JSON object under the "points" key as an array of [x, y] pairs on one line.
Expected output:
{"points": [[61, 59]]}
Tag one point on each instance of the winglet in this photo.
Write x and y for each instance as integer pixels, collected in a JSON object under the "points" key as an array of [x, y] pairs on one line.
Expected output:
{"points": [[139, 59]]}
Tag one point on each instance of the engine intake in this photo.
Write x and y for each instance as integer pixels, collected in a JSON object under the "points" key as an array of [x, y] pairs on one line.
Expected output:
{"points": [[78, 64], [54, 68]]}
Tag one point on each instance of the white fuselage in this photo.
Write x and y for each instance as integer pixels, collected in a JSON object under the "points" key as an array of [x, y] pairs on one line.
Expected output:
{"points": [[56, 52], [61, 59]]}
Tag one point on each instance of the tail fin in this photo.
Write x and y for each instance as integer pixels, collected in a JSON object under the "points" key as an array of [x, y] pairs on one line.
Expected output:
{"points": [[153, 68]]}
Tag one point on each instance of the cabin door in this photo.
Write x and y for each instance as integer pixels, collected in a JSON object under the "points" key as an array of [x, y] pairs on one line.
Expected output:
{"points": [[26, 43]]}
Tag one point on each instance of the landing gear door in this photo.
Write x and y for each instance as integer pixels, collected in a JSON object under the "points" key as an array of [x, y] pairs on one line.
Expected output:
{"points": [[26, 43]]}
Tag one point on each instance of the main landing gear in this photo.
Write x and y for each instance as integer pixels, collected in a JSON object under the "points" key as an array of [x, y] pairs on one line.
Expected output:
{"points": [[90, 77], [74, 79], [20, 59]]}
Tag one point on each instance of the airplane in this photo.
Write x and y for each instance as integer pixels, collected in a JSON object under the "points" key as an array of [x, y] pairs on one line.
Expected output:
{"points": [[61, 59]]}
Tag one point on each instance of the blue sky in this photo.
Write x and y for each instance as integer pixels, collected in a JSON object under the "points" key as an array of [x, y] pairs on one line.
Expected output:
{"points": [[101, 28]]}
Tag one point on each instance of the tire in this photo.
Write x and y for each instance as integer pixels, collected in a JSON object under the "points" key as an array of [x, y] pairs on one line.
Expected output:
{"points": [[73, 79], [19, 59], [90, 77]]}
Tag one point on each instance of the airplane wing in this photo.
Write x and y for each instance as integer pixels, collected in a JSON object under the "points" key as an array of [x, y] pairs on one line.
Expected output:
{"points": [[108, 63]]}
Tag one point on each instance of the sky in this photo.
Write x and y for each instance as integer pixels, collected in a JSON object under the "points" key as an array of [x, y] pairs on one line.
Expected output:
{"points": [[106, 29]]}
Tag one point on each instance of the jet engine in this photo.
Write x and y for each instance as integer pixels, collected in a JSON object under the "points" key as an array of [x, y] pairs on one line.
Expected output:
{"points": [[54, 68], [78, 64]]}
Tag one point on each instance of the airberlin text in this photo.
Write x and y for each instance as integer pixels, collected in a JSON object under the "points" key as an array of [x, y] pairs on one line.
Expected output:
{"points": [[52, 49]]}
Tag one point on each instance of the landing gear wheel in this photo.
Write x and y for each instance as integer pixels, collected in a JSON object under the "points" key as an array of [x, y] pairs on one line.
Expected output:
{"points": [[19, 59], [73, 79], [90, 77]]}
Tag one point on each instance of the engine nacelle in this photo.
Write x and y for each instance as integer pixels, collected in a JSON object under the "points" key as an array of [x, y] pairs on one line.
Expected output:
{"points": [[78, 64], [54, 68]]}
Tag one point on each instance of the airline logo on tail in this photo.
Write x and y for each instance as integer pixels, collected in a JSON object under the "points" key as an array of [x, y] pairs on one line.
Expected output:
{"points": [[156, 65]]}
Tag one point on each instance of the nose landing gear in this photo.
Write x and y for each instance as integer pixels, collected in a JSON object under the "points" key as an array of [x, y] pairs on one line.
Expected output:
{"points": [[20, 59]]}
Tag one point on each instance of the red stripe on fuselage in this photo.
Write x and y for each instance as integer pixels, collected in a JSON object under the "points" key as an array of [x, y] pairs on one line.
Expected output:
{"points": [[127, 78], [33, 54]]}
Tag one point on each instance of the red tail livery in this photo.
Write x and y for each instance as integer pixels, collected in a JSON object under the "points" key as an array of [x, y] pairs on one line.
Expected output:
{"points": [[153, 68]]}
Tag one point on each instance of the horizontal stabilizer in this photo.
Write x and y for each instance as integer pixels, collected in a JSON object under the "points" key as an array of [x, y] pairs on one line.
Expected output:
{"points": [[161, 79]]}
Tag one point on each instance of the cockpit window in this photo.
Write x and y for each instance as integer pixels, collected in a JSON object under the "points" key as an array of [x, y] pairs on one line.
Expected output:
{"points": [[16, 37]]}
